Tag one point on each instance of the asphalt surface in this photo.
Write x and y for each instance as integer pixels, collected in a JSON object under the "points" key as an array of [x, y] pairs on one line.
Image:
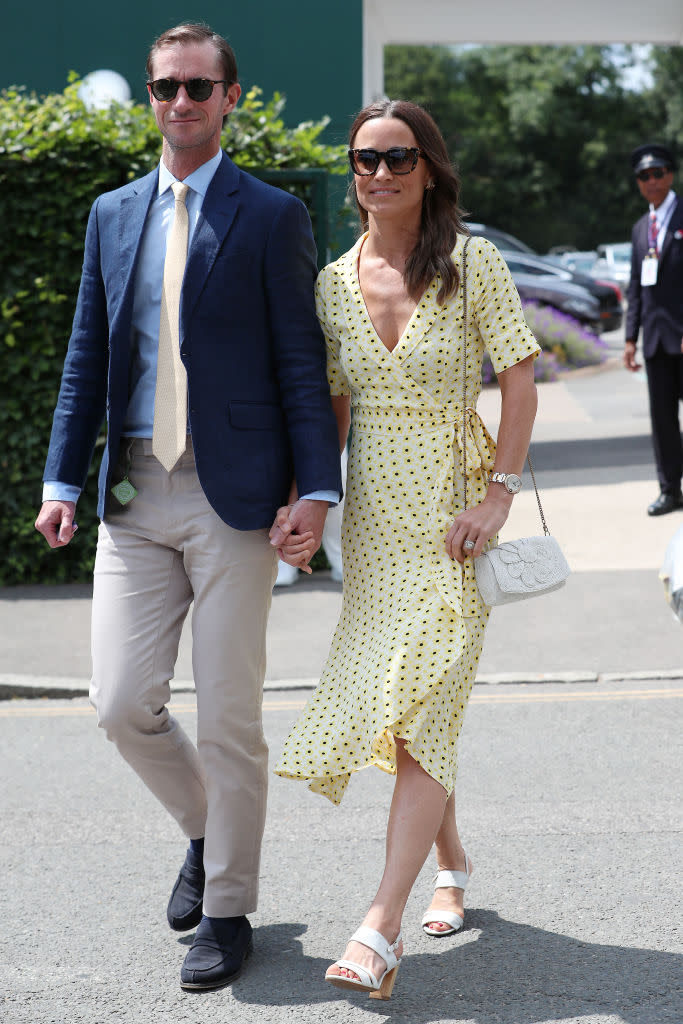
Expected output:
{"points": [[568, 792], [567, 807]]}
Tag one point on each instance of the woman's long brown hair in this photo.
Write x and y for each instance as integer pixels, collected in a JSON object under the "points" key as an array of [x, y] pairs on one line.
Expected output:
{"points": [[441, 213]]}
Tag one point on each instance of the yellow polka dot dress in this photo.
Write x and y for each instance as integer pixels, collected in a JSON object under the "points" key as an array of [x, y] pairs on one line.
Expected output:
{"points": [[405, 651]]}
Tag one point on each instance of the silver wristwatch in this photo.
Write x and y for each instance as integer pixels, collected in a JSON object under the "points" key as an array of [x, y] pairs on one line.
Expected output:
{"points": [[511, 482]]}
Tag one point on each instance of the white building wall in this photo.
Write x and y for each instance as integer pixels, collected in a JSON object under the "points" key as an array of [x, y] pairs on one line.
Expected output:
{"points": [[511, 22]]}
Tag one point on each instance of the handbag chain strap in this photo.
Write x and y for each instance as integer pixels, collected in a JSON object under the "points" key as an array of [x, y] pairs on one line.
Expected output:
{"points": [[463, 285]]}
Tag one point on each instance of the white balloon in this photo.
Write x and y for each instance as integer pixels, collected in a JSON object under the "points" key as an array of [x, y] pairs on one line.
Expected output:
{"points": [[100, 89]]}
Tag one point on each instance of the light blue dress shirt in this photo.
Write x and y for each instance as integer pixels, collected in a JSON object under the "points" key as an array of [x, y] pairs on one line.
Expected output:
{"points": [[149, 275], [663, 215]]}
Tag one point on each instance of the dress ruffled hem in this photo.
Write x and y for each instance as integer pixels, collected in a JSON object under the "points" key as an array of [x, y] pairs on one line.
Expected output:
{"points": [[425, 723]]}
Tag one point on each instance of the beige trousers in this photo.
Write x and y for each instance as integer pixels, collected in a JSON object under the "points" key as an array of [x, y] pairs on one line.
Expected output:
{"points": [[155, 556]]}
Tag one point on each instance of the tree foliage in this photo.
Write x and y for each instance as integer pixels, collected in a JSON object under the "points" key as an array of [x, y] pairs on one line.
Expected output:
{"points": [[542, 134], [55, 158]]}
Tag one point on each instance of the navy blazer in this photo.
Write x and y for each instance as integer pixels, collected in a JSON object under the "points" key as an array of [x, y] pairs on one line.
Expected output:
{"points": [[658, 308], [259, 403]]}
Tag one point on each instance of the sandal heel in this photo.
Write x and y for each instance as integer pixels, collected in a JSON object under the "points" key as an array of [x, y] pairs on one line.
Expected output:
{"points": [[387, 986]]}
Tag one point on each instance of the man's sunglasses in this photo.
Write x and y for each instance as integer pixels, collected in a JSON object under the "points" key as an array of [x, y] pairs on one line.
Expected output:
{"points": [[198, 89], [399, 160], [654, 172]]}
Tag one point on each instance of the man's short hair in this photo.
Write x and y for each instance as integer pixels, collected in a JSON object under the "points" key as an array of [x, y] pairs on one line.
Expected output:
{"points": [[195, 32]]}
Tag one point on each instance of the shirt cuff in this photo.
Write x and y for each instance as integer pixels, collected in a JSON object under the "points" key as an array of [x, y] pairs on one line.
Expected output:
{"points": [[332, 497], [53, 490]]}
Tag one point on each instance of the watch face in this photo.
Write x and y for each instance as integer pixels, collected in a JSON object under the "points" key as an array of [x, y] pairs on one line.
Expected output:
{"points": [[513, 483]]}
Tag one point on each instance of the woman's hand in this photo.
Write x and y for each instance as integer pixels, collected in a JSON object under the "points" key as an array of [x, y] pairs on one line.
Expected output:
{"points": [[298, 550], [295, 549], [477, 525]]}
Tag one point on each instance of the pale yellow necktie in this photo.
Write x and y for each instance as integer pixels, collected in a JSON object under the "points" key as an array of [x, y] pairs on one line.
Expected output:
{"points": [[170, 399]]}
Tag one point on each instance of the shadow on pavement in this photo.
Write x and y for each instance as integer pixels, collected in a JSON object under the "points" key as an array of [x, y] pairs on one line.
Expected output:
{"points": [[601, 460], [494, 971]]}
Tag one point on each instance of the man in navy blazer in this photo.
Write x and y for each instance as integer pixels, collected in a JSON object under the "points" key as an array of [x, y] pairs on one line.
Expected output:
{"points": [[655, 302], [257, 421]]}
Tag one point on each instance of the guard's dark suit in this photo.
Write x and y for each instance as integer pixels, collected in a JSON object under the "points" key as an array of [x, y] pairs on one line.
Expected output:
{"points": [[658, 309]]}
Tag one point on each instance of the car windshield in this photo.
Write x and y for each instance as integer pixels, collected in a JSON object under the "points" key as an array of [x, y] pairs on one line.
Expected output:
{"points": [[622, 253], [500, 239], [581, 262], [520, 265]]}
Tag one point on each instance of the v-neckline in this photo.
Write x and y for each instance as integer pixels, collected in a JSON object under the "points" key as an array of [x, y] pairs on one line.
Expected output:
{"points": [[408, 327]]}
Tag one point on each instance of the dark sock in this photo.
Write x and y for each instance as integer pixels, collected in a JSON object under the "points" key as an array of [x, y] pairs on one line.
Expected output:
{"points": [[197, 846], [225, 929]]}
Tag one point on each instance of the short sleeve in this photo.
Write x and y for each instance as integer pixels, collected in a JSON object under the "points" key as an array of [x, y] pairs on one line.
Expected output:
{"points": [[497, 307], [328, 308]]}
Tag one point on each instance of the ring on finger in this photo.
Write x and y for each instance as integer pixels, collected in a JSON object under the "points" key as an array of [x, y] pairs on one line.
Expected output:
{"points": [[468, 545]]}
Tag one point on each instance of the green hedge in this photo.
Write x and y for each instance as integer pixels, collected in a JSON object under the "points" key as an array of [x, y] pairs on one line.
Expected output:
{"points": [[55, 158]]}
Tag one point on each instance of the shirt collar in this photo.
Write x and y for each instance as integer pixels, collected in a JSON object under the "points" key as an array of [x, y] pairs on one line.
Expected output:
{"points": [[664, 210], [198, 181]]}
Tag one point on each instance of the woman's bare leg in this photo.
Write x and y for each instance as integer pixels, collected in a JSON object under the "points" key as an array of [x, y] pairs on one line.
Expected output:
{"points": [[415, 818]]}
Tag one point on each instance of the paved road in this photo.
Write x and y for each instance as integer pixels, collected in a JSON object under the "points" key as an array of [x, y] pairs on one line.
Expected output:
{"points": [[567, 804]]}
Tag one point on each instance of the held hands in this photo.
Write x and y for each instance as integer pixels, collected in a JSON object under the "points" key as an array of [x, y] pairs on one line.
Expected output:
{"points": [[56, 522], [297, 531], [477, 525]]}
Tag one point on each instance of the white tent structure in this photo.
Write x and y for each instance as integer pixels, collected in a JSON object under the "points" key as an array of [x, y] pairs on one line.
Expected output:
{"points": [[510, 22]]}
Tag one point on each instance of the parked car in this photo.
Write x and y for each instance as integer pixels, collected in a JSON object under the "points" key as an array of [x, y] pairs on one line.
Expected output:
{"points": [[540, 282], [610, 312], [614, 260], [579, 262], [500, 239]]}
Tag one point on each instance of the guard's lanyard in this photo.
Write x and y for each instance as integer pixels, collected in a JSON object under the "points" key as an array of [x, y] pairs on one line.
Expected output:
{"points": [[652, 234]]}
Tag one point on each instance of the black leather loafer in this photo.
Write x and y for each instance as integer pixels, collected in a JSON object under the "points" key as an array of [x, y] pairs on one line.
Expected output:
{"points": [[664, 504], [217, 955], [184, 909]]}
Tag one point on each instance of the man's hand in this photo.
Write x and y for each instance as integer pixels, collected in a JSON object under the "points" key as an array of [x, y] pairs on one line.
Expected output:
{"points": [[630, 356], [297, 531], [56, 522]]}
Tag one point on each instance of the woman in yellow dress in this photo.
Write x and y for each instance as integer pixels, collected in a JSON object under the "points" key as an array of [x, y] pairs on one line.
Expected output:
{"points": [[404, 655]]}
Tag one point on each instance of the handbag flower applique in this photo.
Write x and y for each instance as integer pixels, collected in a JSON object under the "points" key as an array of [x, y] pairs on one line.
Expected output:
{"points": [[526, 561]]}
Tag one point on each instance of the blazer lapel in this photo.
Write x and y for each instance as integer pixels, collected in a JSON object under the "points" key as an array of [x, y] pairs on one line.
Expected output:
{"points": [[675, 224], [132, 216], [215, 220]]}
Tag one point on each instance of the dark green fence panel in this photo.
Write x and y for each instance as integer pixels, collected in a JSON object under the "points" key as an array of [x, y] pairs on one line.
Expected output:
{"points": [[311, 186]]}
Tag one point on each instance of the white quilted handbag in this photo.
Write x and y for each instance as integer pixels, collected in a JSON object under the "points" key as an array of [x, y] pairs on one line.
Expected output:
{"points": [[516, 569], [521, 568]]}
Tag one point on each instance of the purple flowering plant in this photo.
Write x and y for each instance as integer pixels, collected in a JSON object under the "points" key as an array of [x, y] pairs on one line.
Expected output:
{"points": [[565, 343]]}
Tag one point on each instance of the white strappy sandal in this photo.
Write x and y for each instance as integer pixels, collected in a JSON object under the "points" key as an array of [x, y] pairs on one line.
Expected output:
{"points": [[444, 880], [378, 988]]}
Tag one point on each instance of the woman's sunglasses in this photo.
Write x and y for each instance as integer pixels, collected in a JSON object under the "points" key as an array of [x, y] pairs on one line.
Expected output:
{"points": [[655, 172], [198, 89], [399, 160]]}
